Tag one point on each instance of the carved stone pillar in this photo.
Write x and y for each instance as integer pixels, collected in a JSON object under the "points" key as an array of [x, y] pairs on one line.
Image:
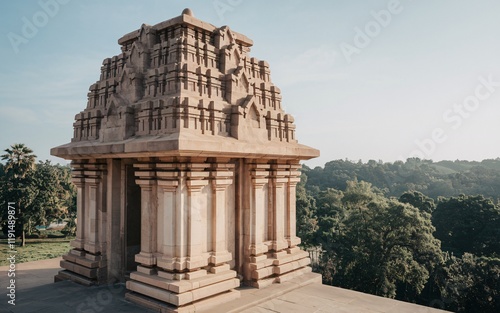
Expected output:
{"points": [[272, 216], [222, 177], [197, 205], [176, 249], [86, 263], [291, 222], [168, 196], [147, 183], [258, 209], [279, 205], [77, 177], [93, 181]]}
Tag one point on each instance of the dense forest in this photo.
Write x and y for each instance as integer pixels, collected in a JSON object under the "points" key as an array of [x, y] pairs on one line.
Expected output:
{"points": [[420, 231], [434, 179]]}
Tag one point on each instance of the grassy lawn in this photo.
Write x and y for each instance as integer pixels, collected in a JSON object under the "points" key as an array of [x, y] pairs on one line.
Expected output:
{"points": [[35, 249]]}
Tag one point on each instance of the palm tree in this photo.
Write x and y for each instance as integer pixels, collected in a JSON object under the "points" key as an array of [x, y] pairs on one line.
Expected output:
{"points": [[20, 162]]}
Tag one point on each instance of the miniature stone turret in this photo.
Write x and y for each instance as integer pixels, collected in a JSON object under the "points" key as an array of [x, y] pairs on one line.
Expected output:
{"points": [[186, 165]]}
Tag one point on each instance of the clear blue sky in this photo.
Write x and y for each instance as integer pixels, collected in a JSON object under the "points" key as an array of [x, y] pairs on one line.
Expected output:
{"points": [[411, 80]]}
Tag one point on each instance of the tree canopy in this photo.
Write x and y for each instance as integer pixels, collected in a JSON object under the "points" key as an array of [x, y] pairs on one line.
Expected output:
{"points": [[418, 231], [20, 160], [434, 179], [41, 191], [468, 224], [17, 184], [373, 244]]}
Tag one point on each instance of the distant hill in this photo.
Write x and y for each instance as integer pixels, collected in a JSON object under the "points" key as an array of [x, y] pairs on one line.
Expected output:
{"points": [[443, 178]]}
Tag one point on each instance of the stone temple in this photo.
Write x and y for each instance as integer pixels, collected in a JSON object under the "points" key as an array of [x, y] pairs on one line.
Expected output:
{"points": [[186, 166]]}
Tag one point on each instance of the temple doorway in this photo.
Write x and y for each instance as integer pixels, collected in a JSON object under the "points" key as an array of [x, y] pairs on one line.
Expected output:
{"points": [[132, 220]]}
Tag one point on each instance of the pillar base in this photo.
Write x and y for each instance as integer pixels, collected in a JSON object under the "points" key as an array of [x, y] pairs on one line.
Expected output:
{"points": [[77, 243], [277, 267], [160, 306], [174, 290], [83, 267], [217, 258], [147, 259]]}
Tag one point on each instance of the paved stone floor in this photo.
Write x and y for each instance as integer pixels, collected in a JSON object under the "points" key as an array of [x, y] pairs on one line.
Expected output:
{"points": [[314, 297], [36, 292], [32, 274], [326, 299]]}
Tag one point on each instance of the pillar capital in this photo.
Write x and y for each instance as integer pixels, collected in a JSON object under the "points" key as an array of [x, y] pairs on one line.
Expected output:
{"points": [[168, 185], [197, 176], [78, 181], [93, 181], [145, 183], [94, 166], [259, 174]]}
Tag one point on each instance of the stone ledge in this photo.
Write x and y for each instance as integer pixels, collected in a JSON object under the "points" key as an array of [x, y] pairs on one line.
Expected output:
{"points": [[184, 145]]}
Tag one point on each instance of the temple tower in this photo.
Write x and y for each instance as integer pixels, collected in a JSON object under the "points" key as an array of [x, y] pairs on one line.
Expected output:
{"points": [[185, 165]]}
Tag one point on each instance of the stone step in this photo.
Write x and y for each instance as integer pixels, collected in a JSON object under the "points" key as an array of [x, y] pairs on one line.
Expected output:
{"points": [[182, 298], [82, 260], [283, 264], [296, 273], [261, 264], [92, 273], [67, 275], [291, 257], [288, 267], [201, 305]]}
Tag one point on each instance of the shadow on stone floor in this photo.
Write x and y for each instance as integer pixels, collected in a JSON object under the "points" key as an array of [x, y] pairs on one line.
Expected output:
{"points": [[67, 297]]}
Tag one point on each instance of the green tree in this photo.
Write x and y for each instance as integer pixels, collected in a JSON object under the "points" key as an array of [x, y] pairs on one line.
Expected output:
{"points": [[68, 197], [374, 244], [468, 224], [42, 192], [53, 194], [418, 200], [330, 214], [471, 284], [19, 166], [305, 211], [20, 160]]}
